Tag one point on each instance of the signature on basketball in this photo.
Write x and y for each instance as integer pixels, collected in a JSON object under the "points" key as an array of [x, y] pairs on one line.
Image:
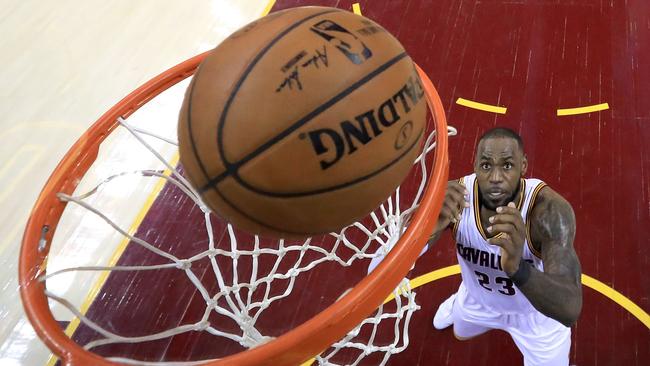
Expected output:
{"points": [[292, 80]]}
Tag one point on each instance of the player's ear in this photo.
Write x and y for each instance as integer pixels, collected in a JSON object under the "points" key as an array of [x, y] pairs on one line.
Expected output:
{"points": [[524, 165]]}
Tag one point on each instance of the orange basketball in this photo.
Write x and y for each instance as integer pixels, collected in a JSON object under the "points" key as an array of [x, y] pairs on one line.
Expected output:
{"points": [[301, 122]]}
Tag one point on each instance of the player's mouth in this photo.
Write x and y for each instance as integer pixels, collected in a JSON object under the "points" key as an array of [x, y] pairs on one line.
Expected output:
{"points": [[496, 195]]}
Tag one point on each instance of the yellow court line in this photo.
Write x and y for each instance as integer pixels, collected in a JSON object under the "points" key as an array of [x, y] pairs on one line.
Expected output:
{"points": [[481, 106], [618, 298], [268, 8], [583, 110], [356, 9], [94, 291]]}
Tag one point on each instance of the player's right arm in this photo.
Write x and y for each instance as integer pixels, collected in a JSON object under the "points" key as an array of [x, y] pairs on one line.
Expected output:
{"points": [[454, 203]]}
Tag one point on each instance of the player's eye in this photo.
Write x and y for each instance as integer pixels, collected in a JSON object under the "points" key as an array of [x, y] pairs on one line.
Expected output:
{"points": [[507, 166], [485, 166]]}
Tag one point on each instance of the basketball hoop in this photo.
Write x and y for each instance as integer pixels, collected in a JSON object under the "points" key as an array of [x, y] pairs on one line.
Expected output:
{"points": [[297, 345]]}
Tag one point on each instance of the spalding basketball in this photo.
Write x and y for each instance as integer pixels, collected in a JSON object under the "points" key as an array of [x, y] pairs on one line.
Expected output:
{"points": [[301, 122]]}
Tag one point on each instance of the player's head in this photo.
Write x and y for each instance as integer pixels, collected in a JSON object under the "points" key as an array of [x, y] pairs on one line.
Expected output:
{"points": [[500, 163]]}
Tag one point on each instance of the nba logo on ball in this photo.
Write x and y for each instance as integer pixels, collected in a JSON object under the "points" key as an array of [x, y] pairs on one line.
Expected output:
{"points": [[302, 122], [343, 40]]}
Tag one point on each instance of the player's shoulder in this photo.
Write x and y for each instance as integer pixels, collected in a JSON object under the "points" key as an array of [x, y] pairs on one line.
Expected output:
{"points": [[548, 198], [551, 210]]}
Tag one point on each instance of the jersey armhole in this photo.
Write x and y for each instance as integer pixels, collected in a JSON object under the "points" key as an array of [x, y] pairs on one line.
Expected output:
{"points": [[533, 199]]}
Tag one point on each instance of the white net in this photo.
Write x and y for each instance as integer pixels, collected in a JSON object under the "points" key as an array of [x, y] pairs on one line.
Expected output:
{"points": [[248, 275]]}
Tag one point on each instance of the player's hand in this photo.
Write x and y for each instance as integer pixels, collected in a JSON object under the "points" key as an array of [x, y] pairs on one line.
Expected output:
{"points": [[509, 223], [456, 200]]}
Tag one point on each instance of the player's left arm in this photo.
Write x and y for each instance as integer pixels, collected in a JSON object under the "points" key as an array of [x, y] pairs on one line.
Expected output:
{"points": [[556, 292]]}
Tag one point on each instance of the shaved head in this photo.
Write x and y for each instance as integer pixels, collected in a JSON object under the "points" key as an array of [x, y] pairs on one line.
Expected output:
{"points": [[502, 132]]}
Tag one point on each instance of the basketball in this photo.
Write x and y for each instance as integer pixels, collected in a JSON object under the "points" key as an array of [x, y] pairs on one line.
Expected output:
{"points": [[301, 122]]}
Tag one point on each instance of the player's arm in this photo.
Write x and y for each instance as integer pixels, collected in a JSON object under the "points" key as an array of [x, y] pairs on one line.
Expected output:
{"points": [[454, 203], [556, 292]]}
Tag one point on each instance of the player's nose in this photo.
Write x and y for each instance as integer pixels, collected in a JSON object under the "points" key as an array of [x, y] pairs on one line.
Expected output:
{"points": [[495, 177]]}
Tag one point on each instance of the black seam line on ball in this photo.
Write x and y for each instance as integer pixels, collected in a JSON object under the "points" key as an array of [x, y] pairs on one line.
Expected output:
{"points": [[255, 220], [232, 169], [240, 82], [332, 188]]}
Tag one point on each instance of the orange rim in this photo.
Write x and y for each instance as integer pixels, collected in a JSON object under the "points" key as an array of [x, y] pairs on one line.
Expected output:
{"points": [[295, 346]]}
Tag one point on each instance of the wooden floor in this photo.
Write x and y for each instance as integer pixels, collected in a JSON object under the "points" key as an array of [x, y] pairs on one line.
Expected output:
{"points": [[532, 58]]}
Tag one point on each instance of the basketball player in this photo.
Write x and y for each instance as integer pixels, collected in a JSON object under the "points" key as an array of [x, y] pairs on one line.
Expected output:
{"points": [[514, 243]]}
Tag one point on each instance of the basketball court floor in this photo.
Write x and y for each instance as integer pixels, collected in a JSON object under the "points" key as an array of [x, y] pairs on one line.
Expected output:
{"points": [[571, 77]]}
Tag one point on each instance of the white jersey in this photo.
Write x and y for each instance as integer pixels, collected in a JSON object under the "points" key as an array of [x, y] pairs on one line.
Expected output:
{"points": [[480, 262]]}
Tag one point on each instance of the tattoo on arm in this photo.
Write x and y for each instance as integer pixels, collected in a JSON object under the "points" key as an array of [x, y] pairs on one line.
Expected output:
{"points": [[556, 292]]}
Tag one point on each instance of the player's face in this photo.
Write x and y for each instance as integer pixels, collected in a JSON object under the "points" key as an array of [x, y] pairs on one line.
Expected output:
{"points": [[499, 165]]}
